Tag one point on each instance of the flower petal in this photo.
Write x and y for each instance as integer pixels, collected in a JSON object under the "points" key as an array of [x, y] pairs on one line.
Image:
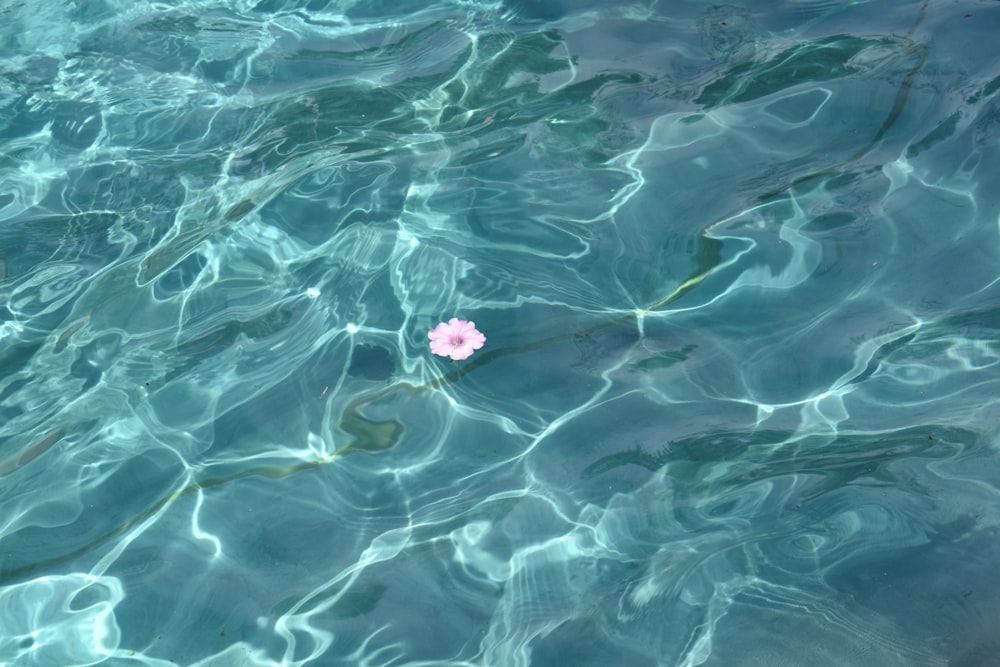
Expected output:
{"points": [[476, 338], [439, 332], [463, 351], [442, 347]]}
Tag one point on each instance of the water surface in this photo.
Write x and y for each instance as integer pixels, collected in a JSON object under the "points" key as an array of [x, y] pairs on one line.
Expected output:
{"points": [[737, 267]]}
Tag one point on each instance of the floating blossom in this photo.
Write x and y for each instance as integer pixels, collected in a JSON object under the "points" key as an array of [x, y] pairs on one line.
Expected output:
{"points": [[455, 338]]}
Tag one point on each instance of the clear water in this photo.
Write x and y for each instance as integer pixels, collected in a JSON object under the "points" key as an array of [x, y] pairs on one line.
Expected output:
{"points": [[738, 267]]}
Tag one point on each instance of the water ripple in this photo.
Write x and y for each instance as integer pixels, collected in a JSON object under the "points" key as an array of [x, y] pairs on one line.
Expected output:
{"points": [[736, 267]]}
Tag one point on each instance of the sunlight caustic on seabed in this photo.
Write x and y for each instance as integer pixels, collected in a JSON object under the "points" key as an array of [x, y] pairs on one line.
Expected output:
{"points": [[737, 266]]}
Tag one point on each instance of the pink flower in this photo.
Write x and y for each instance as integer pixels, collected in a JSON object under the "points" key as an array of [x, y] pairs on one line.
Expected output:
{"points": [[455, 338]]}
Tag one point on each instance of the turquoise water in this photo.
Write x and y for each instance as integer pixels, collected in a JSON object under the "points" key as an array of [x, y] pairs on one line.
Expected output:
{"points": [[737, 265]]}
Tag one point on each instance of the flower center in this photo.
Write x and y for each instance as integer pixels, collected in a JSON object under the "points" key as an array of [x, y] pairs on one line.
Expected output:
{"points": [[456, 340]]}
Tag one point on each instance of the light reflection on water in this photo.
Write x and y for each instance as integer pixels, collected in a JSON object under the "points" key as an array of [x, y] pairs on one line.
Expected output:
{"points": [[736, 266]]}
